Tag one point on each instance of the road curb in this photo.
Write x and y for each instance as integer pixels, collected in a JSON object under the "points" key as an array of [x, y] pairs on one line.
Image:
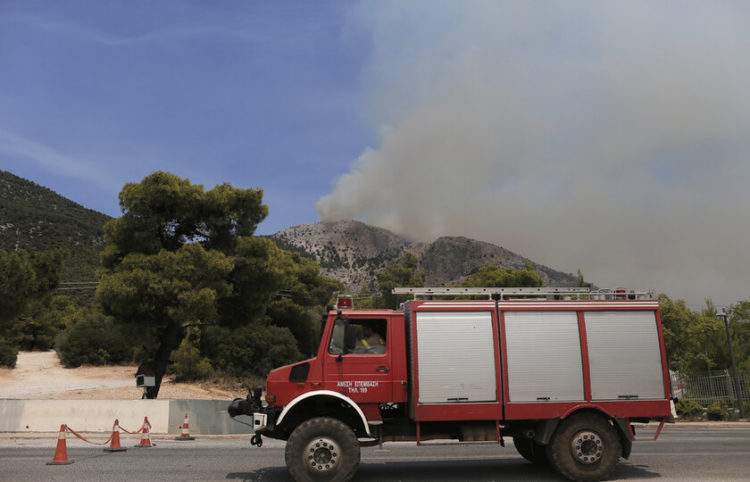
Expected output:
{"points": [[743, 425]]}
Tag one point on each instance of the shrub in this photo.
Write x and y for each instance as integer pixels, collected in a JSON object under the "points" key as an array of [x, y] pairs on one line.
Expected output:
{"points": [[253, 349], [188, 364], [716, 411], [34, 335], [8, 354], [689, 409], [42, 322], [732, 414], [94, 339]]}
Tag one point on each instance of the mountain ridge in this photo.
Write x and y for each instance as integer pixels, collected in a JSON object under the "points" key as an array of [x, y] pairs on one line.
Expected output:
{"points": [[353, 252], [34, 217]]}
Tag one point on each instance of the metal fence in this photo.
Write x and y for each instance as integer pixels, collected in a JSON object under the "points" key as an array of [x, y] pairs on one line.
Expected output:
{"points": [[709, 387]]}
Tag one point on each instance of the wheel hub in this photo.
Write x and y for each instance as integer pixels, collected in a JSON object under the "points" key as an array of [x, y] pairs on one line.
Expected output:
{"points": [[587, 447], [321, 455]]}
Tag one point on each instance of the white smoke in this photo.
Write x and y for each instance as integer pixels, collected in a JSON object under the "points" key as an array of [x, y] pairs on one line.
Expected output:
{"points": [[610, 137]]}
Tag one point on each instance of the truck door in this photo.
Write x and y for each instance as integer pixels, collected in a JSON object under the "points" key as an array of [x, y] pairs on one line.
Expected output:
{"points": [[358, 362]]}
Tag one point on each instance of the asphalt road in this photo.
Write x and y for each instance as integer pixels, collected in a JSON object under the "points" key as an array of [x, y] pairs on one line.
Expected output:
{"points": [[679, 454]]}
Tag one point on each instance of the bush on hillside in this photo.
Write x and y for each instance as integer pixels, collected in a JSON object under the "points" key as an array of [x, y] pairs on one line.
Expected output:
{"points": [[94, 339], [8, 354], [42, 322]]}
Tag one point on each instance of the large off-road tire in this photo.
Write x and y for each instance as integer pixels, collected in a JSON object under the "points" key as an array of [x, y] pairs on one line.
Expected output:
{"points": [[530, 450], [585, 447], [322, 449]]}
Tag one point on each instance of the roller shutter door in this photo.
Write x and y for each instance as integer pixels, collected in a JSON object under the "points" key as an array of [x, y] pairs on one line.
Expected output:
{"points": [[544, 356], [624, 355], [455, 357]]}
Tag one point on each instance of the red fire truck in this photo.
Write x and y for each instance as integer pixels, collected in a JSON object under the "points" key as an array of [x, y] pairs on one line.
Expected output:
{"points": [[564, 372]]}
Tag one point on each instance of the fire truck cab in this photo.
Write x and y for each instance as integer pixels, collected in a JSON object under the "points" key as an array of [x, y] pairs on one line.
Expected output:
{"points": [[563, 372]]}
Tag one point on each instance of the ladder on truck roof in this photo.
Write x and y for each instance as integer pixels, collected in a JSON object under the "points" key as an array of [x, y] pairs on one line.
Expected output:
{"points": [[530, 293]]}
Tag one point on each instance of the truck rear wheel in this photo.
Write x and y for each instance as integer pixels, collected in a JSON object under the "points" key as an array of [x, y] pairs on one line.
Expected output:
{"points": [[585, 447], [530, 450], [322, 449]]}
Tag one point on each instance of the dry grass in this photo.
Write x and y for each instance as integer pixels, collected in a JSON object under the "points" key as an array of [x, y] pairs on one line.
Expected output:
{"points": [[39, 375]]}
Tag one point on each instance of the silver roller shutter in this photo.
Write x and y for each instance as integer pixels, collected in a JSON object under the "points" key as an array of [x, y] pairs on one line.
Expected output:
{"points": [[455, 357], [544, 356], [624, 355]]}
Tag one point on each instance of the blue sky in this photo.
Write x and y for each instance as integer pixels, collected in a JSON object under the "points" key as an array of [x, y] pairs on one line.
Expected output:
{"points": [[260, 94], [610, 137]]}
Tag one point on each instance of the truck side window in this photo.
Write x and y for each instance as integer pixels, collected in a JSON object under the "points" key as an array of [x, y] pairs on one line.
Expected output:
{"points": [[361, 337], [336, 347]]}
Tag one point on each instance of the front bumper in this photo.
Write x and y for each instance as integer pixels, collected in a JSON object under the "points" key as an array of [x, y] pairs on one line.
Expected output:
{"points": [[262, 418]]}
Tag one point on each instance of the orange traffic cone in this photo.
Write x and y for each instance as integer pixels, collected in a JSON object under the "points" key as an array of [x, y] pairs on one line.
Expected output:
{"points": [[61, 452], [185, 430], [114, 446], [145, 438]]}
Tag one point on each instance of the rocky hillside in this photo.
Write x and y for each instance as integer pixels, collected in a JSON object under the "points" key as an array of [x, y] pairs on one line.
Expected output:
{"points": [[353, 252], [36, 218]]}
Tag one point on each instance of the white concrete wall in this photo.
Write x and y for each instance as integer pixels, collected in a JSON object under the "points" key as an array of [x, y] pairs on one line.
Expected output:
{"points": [[165, 416], [82, 415], [206, 417]]}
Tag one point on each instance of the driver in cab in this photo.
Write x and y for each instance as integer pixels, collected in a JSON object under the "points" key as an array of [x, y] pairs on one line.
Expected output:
{"points": [[370, 342]]}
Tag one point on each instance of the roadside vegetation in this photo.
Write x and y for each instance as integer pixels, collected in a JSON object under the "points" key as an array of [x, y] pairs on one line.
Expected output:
{"points": [[690, 410], [186, 288]]}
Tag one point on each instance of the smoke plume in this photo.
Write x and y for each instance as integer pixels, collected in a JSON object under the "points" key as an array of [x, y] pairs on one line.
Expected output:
{"points": [[611, 137]]}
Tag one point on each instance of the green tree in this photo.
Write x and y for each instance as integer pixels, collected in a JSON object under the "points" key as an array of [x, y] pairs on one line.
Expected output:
{"points": [[17, 283], [164, 293], [739, 324], [708, 342], [164, 212], [169, 259], [676, 320], [497, 277], [306, 295], [183, 257], [280, 287], [365, 299], [403, 272], [696, 341], [26, 279]]}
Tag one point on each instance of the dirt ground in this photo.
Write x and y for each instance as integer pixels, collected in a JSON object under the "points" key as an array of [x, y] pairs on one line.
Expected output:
{"points": [[39, 375]]}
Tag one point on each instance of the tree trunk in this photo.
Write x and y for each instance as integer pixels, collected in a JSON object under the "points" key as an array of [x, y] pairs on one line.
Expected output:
{"points": [[169, 343]]}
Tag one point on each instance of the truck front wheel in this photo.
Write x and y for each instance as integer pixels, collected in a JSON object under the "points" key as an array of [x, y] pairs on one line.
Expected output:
{"points": [[585, 447], [322, 449]]}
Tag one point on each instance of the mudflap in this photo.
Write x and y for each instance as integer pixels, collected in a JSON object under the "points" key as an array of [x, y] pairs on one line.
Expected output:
{"points": [[626, 436], [545, 429]]}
